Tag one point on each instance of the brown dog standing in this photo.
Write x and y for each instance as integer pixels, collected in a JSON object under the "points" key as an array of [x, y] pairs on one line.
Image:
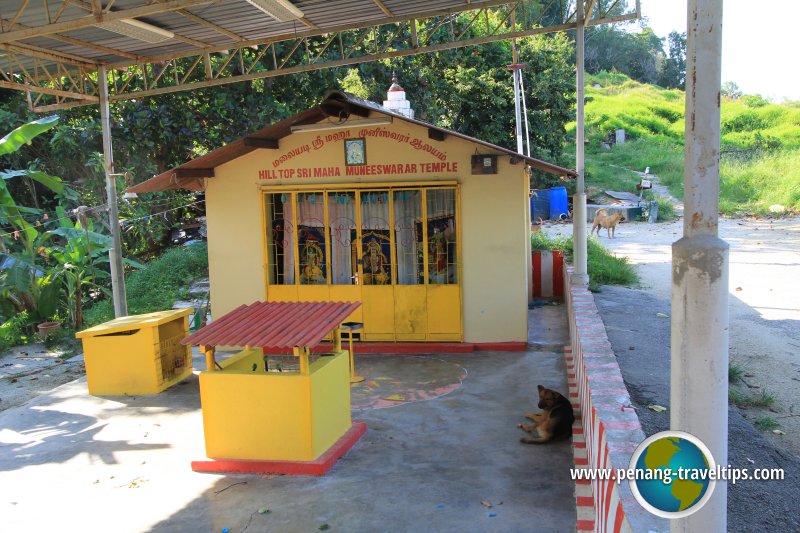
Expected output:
{"points": [[555, 420], [604, 220]]}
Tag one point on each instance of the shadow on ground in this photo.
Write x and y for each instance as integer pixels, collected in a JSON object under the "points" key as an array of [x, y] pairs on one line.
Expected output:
{"points": [[442, 454]]}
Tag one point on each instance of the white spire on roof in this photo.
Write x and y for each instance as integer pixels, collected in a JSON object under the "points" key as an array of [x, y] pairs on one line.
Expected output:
{"points": [[396, 99]]}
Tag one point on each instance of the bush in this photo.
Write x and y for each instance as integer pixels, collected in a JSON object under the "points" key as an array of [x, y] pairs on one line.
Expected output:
{"points": [[158, 285], [666, 209], [760, 142], [543, 241], [608, 269], [14, 332]]}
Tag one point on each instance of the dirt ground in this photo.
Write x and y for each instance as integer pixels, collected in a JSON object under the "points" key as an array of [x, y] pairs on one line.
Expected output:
{"points": [[764, 303], [27, 370], [764, 342]]}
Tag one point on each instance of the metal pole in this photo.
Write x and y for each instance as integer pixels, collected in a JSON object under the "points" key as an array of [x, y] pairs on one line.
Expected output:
{"points": [[115, 253], [699, 373], [517, 111], [581, 276], [525, 115]]}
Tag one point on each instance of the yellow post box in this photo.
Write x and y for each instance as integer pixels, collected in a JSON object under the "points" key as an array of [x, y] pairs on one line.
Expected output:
{"points": [[138, 354]]}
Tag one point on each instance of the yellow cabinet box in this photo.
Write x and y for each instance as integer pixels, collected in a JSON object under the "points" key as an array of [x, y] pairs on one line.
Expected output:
{"points": [[138, 354]]}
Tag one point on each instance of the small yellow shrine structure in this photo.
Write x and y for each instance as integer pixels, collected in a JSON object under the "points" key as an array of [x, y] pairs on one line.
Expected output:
{"points": [[427, 228], [258, 419]]}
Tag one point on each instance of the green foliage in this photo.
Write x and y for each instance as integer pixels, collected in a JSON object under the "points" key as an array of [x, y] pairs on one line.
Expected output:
{"points": [[25, 134], [735, 373], [760, 144], [604, 267], [26, 286], [15, 331], [731, 90], [673, 71], [743, 399], [542, 241], [750, 186], [637, 55], [158, 284], [766, 423], [666, 209], [74, 256], [353, 84], [754, 100]]}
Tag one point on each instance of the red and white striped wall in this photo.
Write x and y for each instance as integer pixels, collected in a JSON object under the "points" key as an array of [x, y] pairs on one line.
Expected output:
{"points": [[607, 430], [548, 274]]}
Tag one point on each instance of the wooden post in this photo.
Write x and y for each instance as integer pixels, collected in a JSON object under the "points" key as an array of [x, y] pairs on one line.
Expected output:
{"points": [[302, 353], [337, 339], [210, 362]]}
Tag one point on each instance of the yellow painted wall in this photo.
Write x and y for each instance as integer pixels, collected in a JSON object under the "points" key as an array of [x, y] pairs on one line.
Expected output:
{"points": [[125, 355], [330, 401], [494, 218], [235, 243], [277, 416]]}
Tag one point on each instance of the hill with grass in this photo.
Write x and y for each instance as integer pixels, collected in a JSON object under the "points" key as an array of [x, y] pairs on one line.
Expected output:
{"points": [[760, 144]]}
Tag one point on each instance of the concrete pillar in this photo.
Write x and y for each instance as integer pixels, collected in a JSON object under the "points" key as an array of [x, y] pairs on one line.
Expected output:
{"points": [[115, 253], [699, 373], [581, 276]]}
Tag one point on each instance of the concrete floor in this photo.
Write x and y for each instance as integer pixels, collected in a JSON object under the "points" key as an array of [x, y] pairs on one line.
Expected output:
{"points": [[447, 442]]}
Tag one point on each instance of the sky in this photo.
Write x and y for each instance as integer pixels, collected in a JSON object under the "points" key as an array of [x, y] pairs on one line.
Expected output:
{"points": [[759, 50]]}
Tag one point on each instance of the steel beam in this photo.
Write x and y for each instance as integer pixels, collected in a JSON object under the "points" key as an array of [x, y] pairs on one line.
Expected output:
{"points": [[313, 50], [92, 20], [579, 242], [115, 252]]}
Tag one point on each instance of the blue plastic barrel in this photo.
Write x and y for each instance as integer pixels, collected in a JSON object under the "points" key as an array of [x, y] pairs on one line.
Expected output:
{"points": [[558, 203], [540, 205]]}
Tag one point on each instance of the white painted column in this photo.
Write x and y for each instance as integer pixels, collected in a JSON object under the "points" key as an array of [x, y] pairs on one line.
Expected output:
{"points": [[699, 375], [581, 276], [115, 253]]}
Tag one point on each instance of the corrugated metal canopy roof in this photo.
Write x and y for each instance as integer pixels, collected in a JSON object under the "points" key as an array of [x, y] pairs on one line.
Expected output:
{"points": [[70, 28], [202, 167], [282, 325], [55, 49]]}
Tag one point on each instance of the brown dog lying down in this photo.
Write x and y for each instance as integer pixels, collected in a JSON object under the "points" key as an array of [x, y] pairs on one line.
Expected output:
{"points": [[555, 420], [603, 219]]}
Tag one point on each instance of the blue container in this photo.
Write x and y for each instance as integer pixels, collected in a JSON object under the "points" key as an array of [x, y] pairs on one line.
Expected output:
{"points": [[540, 205], [559, 209]]}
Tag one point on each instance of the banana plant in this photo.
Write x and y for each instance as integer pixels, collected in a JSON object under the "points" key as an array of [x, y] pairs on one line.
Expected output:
{"points": [[76, 260], [24, 286]]}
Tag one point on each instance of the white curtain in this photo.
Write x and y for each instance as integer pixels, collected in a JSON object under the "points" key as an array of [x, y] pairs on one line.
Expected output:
{"points": [[289, 240], [407, 215], [441, 211], [342, 219]]}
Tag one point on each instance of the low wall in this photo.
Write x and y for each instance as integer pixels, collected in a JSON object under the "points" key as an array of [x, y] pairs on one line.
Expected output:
{"points": [[608, 431], [548, 274]]}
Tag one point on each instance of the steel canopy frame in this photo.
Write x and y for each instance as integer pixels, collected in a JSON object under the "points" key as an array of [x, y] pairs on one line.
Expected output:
{"points": [[58, 80]]}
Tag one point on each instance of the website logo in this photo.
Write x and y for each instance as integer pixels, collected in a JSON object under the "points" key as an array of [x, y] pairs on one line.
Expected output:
{"points": [[674, 474]]}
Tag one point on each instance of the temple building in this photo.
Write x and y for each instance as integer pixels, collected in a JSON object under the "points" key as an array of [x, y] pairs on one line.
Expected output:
{"points": [[352, 201]]}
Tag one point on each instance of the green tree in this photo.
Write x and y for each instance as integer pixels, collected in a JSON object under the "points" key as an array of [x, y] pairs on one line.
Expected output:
{"points": [[673, 72]]}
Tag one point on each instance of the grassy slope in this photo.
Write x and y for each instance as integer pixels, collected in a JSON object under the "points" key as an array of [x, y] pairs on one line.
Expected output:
{"points": [[158, 285], [760, 143]]}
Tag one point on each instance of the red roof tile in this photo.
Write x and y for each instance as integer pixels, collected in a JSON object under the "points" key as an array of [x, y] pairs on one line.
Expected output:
{"points": [[274, 325]]}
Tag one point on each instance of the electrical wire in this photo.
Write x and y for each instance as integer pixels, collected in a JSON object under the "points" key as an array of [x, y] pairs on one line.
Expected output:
{"points": [[123, 223]]}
